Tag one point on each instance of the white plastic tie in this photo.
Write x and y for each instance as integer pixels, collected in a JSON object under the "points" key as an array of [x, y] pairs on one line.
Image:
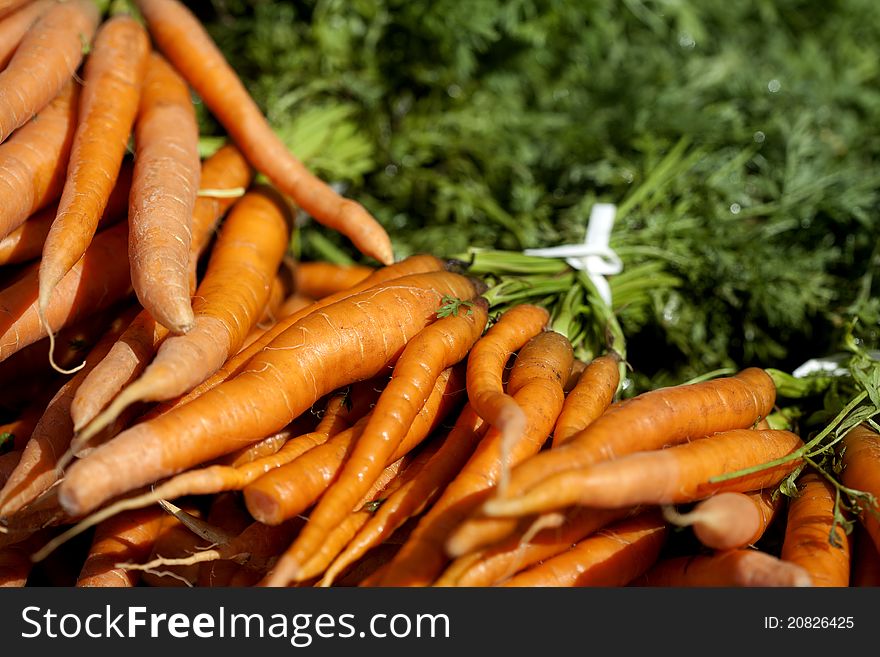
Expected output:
{"points": [[830, 365], [594, 255]]}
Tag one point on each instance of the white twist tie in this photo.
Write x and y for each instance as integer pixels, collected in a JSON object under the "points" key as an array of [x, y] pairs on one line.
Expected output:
{"points": [[593, 256]]}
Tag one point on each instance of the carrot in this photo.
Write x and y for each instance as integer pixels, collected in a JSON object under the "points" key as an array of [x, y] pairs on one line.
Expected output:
{"points": [[437, 347], [294, 303], [180, 36], [33, 160], [98, 280], [127, 359], [588, 399], [539, 372], [729, 568], [813, 539], [227, 513], [418, 493], [486, 364], [16, 433], [224, 172], [15, 562], [45, 60], [278, 292], [16, 24], [7, 7], [729, 520], [351, 340], [236, 286], [861, 472], [655, 419], [286, 570], [127, 537], [531, 543], [37, 469], [320, 279], [668, 476], [108, 104], [25, 243], [614, 556], [163, 195], [174, 539], [8, 463], [865, 569], [413, 265], [289, 490]]}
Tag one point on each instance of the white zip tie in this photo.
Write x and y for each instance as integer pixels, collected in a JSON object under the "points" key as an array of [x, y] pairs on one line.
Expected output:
{"points": [[830, 365], [593, 256]]}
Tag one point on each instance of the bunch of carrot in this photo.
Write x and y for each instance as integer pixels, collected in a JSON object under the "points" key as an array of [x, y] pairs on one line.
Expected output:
{"points": [[231, 418]]}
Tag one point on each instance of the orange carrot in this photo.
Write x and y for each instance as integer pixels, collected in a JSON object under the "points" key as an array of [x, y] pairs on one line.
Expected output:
{"points": [[227, 514], [225, 171], [286, 571], [289, 490], [588, 399], [655, 419], [37, 469], [729, 568], [294, 303], [244, 260], [33, 160], [15, 562], [865, 569], [45, 60], [539, 372], [531, 543], [7, 7], [729, 520], [180, 36], [8, 463], [320, 279], [127, 537], [861, 471], [108, 104], [613, 556], [163, 195], [16, 24], [486, 364], [416, 264], [437, 347], [26, 242], [812, 540], [418, 493], [353, 339], [667, 476], [98, 280]]}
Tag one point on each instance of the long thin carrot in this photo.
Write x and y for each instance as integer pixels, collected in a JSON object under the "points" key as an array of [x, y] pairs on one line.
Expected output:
{"points": [[729, 520], [655, 419], [108, 104], [536, 384], [530, 544], [291, 489], [437, 347], [348, 341], [16, 24], [33, 160], [180, 36], [127, 537], [728, 568], [486, 364], [416, 494], [243, 262], [318, 279], [163, 195], [667, 476], [861, 471], [416, 264], [588, 399], [26, 242], [813, 539], [37, 469], [613, 556], [98, 280], [45, 60], [287, 570]]}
